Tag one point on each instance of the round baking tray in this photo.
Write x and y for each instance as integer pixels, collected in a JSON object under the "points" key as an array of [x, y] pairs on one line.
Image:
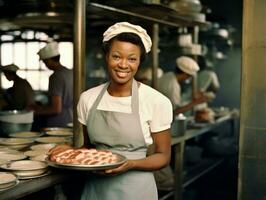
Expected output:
{"points": [[121, 160]]}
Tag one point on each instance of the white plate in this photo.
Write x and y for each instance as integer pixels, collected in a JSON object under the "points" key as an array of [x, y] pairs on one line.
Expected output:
{"points": [[13, 156], [59, 133], [36, 176], [57, 129], [24, 165], [50, 139], [2, 161], [10, 185], [15, 141], [26, 168], [8, 150], [26, 134], [32, 153], [6, 177], [47, 146], [42, 157]]}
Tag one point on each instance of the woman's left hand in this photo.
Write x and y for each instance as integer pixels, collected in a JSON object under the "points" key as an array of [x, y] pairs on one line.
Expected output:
{"points": [[129, 164]]}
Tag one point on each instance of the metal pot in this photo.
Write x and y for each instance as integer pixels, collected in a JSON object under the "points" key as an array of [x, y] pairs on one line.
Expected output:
{"points": [[15, 121], [179, 125]]}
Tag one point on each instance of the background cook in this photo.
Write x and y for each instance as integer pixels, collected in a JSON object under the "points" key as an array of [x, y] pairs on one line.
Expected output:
{"points": [[59, 111], [21, 94]]}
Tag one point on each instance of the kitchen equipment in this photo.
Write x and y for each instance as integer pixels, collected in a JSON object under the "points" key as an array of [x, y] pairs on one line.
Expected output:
{"points": [[179, 125], [15, 121], [186, 5]]}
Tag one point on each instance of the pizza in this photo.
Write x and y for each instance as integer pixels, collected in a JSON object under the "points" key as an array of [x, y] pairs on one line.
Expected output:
{"points": [[84, 157]]}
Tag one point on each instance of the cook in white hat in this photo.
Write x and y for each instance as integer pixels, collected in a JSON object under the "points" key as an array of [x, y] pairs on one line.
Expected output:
{"points": [[187, 65], [170, 84], [20, 95], [59, 112], [114, 115], [9, 68], [49, 51]]}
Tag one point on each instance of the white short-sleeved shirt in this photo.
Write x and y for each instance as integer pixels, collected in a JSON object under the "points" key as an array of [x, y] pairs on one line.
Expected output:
{"points": [[207, 78], [155, 109], [169, 86]]}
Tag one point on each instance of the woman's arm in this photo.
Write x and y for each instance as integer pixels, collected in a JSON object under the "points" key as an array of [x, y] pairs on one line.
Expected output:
{"points": [[159, 159]]}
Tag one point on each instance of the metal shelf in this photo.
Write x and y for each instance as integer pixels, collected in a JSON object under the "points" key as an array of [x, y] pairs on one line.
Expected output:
{"points": [[202, 168], [156, 13]]}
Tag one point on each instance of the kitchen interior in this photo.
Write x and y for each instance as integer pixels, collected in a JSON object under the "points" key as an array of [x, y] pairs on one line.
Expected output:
{"points": [[217, 154]]}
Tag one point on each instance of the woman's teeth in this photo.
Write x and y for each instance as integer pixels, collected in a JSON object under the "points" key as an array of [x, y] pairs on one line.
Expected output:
{"points": [[122, 74]]}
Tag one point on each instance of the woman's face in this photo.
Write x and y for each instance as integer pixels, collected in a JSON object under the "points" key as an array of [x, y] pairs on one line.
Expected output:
{"points": [[123, 61]]}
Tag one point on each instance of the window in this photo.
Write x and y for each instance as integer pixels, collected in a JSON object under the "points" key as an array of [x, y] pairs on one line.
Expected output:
{"points": [[24, 55]]}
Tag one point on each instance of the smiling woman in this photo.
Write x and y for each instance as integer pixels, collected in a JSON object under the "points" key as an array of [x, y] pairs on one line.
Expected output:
{"points": [[122, 116]]}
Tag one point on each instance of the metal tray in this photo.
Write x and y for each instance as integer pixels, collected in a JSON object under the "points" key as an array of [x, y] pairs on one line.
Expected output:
{"points": [[121, 160]]}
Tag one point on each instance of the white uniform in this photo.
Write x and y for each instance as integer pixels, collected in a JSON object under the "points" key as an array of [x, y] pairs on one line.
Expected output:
{"points": [[121, 130], [169, 86], [207, 78], [155, 109]]}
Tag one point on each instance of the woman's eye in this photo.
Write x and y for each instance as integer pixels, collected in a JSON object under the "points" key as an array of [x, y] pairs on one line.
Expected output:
{"points": [[132, 59], [116, 57]]}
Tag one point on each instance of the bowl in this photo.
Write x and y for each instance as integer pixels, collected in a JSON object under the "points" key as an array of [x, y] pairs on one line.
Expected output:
{"points": [[24, 168]]}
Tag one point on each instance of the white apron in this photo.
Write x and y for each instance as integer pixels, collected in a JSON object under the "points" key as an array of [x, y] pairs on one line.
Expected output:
{"points": [[121, 133]]}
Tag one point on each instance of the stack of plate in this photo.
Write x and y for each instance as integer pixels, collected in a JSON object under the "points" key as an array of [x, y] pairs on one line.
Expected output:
{"points": [[26, 169], [57, 131], [40, 151], [46, 147], [26, 134], [7, 180], [39, 155], [57, 140], [16, 143]]}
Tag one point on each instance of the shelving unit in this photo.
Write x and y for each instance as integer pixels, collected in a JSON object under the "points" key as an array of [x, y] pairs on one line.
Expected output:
{"points": [[194, 173], [184, 177]]}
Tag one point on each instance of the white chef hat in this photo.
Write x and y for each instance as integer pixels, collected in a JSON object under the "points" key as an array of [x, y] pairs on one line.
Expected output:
{"points": [[50, 50], [9, 68], [187, 65], [122, 27]]}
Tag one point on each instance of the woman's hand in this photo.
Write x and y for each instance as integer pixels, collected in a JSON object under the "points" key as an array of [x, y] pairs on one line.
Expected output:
{"points": [[129, 164]]}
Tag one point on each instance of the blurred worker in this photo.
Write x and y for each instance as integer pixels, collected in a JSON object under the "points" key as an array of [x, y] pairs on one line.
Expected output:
{"points": [[21, 94], [59, 111], [207, 78], [169, 84], [144, 75]]}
